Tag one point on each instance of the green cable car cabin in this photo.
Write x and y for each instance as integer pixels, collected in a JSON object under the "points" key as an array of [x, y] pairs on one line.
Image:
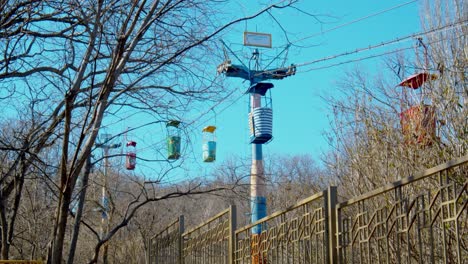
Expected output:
{"points": [[173, 139]]}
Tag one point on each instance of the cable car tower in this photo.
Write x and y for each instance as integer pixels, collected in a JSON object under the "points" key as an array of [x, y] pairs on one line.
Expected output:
{"points": [[260, 116]]}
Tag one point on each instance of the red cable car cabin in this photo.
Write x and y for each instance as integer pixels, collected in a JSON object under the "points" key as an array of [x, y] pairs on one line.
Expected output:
{"points": [[130, 162], [415, 81], [418, 125]]}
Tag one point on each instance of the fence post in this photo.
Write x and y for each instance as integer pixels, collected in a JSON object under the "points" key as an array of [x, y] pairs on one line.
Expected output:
{"points": [[232, 233], [181, 240], [331, 201], [148, 250]]}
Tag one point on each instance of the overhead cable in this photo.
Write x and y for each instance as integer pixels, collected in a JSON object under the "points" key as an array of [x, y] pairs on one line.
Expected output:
{"points": [[355, 21], [356, 60], [370, 47], [370, 57]]}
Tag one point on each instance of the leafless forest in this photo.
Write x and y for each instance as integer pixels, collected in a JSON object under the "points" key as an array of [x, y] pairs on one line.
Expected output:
{"points": [[65, 66]]}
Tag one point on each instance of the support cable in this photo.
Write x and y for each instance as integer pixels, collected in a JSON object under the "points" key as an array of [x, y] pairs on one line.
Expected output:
{"points": [[226, 46]]}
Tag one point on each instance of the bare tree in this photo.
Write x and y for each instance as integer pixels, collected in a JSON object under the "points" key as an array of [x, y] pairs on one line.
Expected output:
{"points": [[292, 178], [18, 137], [370, 146], [75, 62]]}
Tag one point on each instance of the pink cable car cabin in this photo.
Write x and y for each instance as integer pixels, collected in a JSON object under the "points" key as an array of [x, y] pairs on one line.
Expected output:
{"points": [[130, 162]]}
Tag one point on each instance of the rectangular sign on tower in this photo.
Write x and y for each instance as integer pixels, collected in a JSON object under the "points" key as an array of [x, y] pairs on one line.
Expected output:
{"points": [[257, 39]]}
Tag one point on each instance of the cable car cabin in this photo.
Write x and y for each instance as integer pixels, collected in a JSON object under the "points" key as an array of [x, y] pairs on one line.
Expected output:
{"points": [[418, 125], [173, 139], [209, 144], [261, 125], [260, 117], [130, 161], [415, 81]]}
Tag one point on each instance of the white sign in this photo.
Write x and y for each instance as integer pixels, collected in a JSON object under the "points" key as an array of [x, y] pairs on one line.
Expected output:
{"points": [[257, 39]]}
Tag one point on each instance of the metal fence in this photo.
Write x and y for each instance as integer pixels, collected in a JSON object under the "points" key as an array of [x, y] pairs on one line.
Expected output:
{"points": [[212, 241], [419, 219], [21, 262], [166, 246], [295, 235]]}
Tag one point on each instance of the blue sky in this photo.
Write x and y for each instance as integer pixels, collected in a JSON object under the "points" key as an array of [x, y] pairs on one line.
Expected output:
{"points": [[300, 114]]}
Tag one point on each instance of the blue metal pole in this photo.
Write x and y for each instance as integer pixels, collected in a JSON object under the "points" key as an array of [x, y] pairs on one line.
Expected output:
{"points": [[257, 179]]}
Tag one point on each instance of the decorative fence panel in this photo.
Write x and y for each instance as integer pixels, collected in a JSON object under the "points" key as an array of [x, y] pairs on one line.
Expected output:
{"points": [[166, 246], [21, 262], [295, 235], [211, 242], [419, 219]]}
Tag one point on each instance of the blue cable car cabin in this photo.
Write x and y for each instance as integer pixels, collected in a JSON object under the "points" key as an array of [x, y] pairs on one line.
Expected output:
{"points": [[209, 144], [260, 117]]}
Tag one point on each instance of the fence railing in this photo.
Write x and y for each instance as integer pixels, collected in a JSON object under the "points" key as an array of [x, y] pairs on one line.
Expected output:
{"points": [[212, 241], [21, 262], [419, 219], [294, 235], [166, 246]]}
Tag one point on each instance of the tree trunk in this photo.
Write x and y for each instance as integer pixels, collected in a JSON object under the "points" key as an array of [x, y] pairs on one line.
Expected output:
{"points": [[79, 212], [66, 185], [4, 223], [7, 219], [62, 214]]}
